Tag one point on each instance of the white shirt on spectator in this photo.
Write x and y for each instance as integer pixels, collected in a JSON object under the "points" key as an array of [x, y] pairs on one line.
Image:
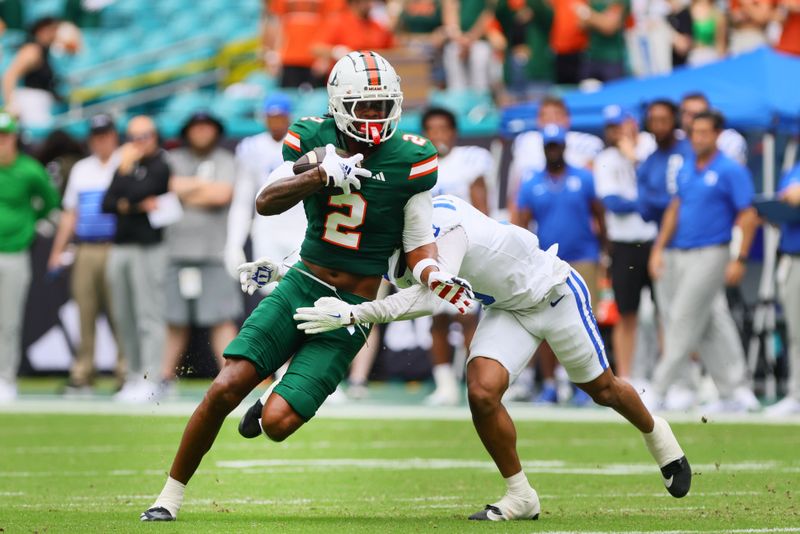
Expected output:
{"points": [[527, 155], [459, 169], [614, 174], [89, 174], [274, 237]]}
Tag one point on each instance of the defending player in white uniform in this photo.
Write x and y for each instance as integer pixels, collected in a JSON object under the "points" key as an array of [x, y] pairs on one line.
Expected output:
{"points": [[530, 296]]}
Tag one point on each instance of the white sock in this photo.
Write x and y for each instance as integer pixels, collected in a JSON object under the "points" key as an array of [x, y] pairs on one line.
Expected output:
{"points": [[661, 443], [171, 496], [444, 377], [518, 486]]}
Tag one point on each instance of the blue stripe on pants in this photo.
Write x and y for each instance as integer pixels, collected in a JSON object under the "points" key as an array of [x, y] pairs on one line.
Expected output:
{"points": [[583, 307]]}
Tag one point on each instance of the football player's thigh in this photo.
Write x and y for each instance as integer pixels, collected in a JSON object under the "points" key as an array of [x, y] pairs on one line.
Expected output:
{"points": [[317, 368], [501, 337], [571, 331], [269, 336]]}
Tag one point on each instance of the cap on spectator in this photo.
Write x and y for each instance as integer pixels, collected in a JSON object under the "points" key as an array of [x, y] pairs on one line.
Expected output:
{"points": [[614, 115], [7, 123], [553, 134], [277, 104], [101, 123], [200, 117]]}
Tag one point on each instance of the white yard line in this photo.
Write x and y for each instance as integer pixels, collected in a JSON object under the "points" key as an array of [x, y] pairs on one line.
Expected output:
{"points": [[519, 411]]}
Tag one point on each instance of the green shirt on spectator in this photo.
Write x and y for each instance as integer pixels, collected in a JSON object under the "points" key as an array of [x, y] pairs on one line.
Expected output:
{"points": [[26, 195], [12, 14], [470, 10], [608, 48], [421, 16], [540, 67]]}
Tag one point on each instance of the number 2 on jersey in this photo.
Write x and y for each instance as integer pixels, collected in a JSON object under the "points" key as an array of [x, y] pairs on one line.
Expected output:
{"points": [[336, 220]]}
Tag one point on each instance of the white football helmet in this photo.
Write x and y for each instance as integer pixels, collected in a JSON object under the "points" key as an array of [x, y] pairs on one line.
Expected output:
{"points": [[364, 97]]}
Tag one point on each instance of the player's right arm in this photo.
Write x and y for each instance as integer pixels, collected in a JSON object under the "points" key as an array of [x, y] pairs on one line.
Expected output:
{"points": [[669, 223], [284, 193]]}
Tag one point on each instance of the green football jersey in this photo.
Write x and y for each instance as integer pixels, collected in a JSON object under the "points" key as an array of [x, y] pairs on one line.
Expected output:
{"points": [[357, 233]]}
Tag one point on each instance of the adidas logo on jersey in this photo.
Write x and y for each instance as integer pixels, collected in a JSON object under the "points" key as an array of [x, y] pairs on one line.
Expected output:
{"points": [[379, 176]]}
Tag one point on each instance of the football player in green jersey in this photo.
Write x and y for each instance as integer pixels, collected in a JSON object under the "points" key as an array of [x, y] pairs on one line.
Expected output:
{"points": [[359, 209]]}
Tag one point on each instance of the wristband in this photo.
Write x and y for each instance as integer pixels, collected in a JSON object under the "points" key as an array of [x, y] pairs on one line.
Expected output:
{"points": [[421, 266]]}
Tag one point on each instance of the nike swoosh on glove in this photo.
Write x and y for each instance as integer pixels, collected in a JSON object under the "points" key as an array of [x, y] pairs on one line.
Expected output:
{"points": [[452, 289], [328, 313], [256, 274], [343, 172]]}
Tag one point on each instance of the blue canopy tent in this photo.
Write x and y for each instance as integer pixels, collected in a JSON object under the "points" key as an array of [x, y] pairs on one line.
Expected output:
{"points": [[757, 90]]}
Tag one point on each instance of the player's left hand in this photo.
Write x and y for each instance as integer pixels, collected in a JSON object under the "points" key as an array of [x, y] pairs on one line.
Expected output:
{"points": [[328, 314], [256, 274], [452, 289], [734, 272]]}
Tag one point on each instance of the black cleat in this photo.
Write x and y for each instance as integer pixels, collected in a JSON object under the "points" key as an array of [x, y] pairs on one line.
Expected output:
{"points": [[493, 513], [677, 477], [156, 513], [248, 424]]}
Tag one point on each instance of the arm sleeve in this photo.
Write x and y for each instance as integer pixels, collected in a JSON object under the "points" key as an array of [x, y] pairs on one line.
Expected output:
{"points": [[70, 200], [742, 190], [112, 195], [417, 301], [240, 216], [284, 170], [417, 228]]}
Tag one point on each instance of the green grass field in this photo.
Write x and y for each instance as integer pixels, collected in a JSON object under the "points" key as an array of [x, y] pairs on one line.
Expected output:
{"points": [[96, 473]]}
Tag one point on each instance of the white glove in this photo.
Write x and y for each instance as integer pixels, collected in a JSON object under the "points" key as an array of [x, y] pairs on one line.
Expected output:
{"points": [[342, 172], [452, 289], [328, 314], [257, 274]]}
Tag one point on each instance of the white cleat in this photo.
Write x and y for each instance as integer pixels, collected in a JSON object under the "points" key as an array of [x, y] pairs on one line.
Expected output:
{"points": [[139, 392], [741, 401], [783, 408], [510, 508], [443, 397], [680, 399], [8, 391]]}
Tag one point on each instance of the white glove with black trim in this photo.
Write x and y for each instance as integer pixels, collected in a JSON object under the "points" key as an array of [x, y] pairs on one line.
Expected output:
{"points": [[452, 289], [328, 313], [343, 172], [256, 274]]}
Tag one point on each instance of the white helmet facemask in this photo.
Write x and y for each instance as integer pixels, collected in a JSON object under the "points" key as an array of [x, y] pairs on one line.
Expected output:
{"points": [[364, 97]]}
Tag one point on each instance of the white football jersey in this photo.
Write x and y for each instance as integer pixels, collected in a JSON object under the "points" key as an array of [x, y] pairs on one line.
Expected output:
{"points": [[527, 155], [277, 236], [460, 168]]}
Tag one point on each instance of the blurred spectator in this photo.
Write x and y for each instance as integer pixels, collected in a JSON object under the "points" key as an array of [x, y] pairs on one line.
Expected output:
{"points": [[529, 60], [604, 21], [649, 37], [26, 195], [680, 19], [789, 293], [657, 175], [562, 200], [730, 142], [93, 231], [257, 156], [630, 236], [137, 264], [790, 36], [352, 29], [715, 193], [568, 39], [199, 291], [417, 26], [709, 33], [527, 152], [33, 102], [58, 153], [468, 52], [288, 39], [749, 20], [462, 173], [12, 15], [86, 13]]}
